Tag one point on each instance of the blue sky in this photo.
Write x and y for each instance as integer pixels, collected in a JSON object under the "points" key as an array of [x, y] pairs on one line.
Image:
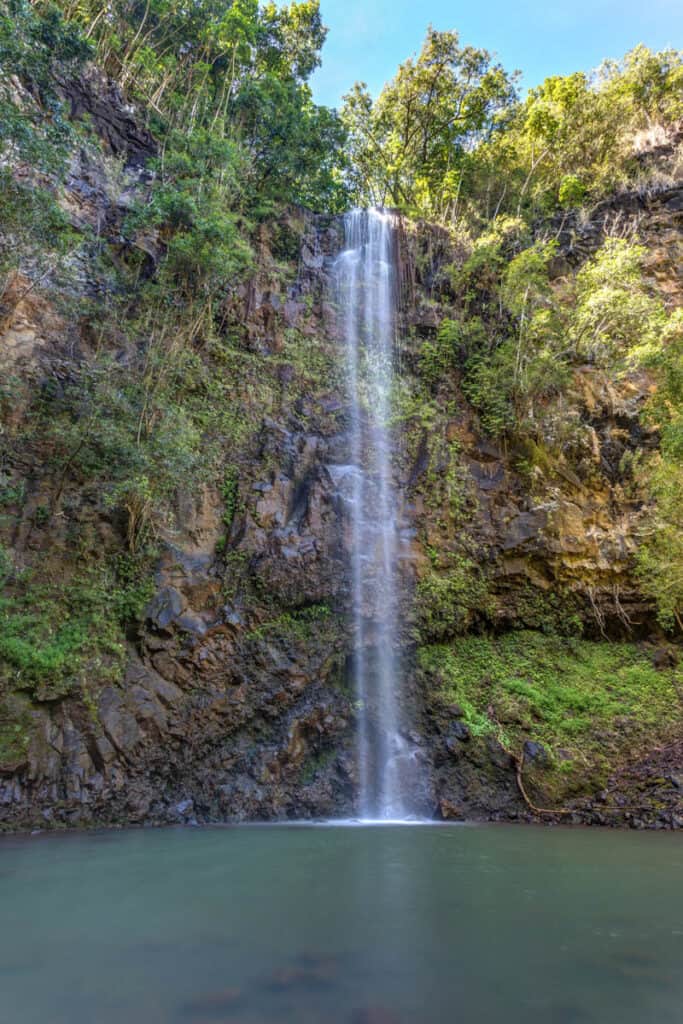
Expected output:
{"points": [[368, 38]]}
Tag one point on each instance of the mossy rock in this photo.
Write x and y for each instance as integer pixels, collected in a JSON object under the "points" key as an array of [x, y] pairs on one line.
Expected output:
{"points": [[593, 706], [16, 727]]}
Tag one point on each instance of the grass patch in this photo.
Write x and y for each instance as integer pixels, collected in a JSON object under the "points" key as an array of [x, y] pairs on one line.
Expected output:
{"points": [[591, 705]]}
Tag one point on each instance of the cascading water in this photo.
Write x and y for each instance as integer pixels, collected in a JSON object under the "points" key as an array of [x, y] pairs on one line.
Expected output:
{"points": [[366, 286]]}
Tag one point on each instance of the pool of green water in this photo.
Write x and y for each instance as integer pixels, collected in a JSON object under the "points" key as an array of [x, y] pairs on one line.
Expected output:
{"points": [[332, 925]]}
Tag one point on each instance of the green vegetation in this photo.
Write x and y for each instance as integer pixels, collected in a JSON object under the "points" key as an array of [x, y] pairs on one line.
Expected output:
{"points": [[230, 492], [589, 704], [520, 356], [15, 731], [449, 139], [408, 146], [36, 43], [224, 86], [660, 556], [54, 639], [447, 599], [34, 47], [303, 624], [168, 386]]}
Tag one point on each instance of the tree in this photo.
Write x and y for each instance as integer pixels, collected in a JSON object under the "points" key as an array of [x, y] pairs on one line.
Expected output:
{"points": [[409, 147], [572, 139], [614, 311], [650, 84], [35, 136], [232, 70], [33, 46], [660, 553]]}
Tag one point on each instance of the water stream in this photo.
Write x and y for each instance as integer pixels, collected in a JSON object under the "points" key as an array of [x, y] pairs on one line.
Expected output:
{"points": [[366, 287]]}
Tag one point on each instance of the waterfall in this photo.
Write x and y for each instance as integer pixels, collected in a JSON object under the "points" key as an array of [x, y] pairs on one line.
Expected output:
{"points": [[366, 288]]}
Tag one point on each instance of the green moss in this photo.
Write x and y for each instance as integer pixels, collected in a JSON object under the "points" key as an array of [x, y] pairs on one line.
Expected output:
{"points": [[6, 564], [445, 600], [447, 484], [230, 494], [51, 633], [317, 763], [12, 493], [300, 625], [15, 731], [555, 613], [316, 368], [590, 704]]}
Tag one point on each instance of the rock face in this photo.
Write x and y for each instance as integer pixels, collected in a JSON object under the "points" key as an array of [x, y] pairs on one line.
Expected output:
{"points": [[117, 124], [234, 701]]}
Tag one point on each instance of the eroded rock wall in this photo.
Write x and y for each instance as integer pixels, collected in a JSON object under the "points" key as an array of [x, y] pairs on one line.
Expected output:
{"points": [[234, 700]]}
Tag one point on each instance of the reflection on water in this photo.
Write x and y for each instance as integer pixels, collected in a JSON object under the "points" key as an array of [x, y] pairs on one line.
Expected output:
{"points": [[390, 925]]}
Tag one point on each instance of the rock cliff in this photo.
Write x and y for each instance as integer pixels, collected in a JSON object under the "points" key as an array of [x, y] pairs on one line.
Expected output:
{"points": [[227, 698]]}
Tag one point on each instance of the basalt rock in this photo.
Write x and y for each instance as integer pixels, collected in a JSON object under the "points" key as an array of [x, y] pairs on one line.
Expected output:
{"points": [[115, 121]]}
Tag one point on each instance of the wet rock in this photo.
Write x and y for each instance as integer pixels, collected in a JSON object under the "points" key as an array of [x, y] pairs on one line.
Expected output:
{"points": [[314, 261], [460, 731], [523, 528], [116, 122], [664, 658], [118, 721], [535, 753], [449, 811], [166, 605], [259, 726], [497, 753], [192, 623]]}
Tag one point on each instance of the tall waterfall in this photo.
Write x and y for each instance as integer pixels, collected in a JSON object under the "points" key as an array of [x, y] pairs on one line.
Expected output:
{"points": [[366, 285]]}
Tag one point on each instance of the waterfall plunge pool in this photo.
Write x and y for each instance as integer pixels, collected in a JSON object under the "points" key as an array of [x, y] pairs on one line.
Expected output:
{"points": [[331, 925]]}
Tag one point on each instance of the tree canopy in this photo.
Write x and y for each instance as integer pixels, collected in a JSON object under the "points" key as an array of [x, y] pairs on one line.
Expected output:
{"points": [[450, 139], [409, 146]]}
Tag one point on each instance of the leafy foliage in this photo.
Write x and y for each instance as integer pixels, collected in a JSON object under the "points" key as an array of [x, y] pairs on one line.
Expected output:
{"points": [[614, 311], [235, 72], [587, 703], [660, 554], [35, 46], [409, 147], [523, 354], [449, 139], [52, 635], [446, 600]]}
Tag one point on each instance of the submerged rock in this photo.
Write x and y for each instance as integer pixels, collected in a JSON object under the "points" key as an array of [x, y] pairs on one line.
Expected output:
{"points": [[375, 1015], [214, 1005]]}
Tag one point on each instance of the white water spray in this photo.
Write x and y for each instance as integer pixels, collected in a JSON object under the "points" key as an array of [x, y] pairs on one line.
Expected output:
{"points": [[366, 285]]}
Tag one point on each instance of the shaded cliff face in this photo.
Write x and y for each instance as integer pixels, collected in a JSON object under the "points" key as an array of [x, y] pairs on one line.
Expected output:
{"points": [[230, 700], [225, 695]]}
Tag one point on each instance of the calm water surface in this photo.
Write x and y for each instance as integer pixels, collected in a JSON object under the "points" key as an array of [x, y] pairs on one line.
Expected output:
{"points": [[327, 925]]}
